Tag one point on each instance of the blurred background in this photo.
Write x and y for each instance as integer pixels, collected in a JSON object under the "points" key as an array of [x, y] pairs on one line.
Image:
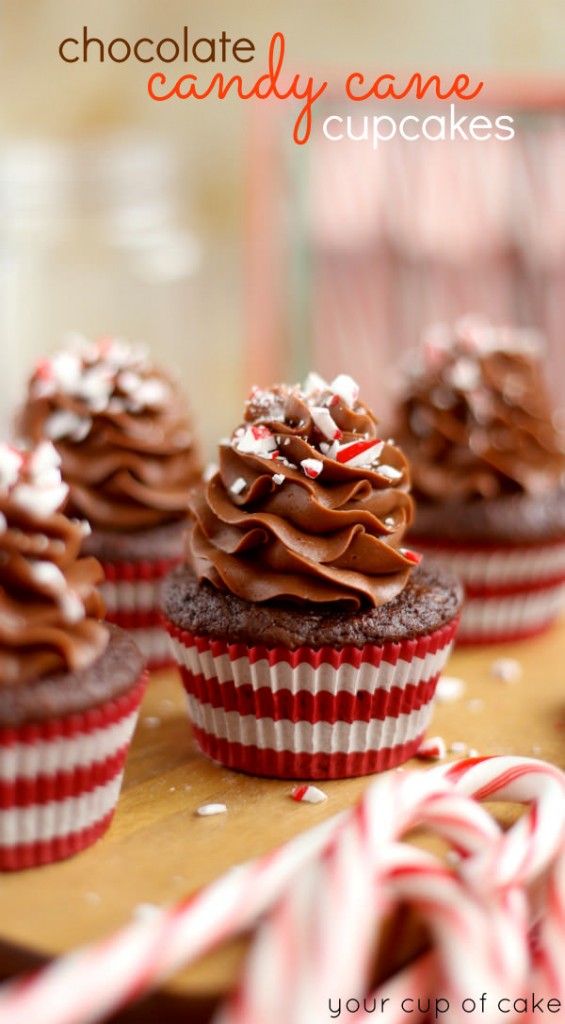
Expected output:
{"points": [[239, 257]]}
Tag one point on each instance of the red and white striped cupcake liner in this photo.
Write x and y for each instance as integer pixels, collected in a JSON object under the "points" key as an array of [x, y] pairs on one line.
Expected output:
{"points": [[511, 592], [131, 592], [60, 780], [310, 713]]}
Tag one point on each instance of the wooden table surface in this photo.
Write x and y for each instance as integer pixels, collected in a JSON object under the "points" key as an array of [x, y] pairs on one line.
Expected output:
{"points": [[157, 850]]}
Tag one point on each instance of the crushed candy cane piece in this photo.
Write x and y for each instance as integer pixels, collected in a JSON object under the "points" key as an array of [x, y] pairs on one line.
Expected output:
{"points": [[257, 441], [450, 688], [325, 423], [314, 383], [65, 423], [472, 752], [39, 502], [464, 374], [11, 461], [208, 810], [238, 485], [432, 749], [278, 478], [412, 556], [346, 388], [312, 467], [359, 453], [308, 795], [390, 473], [507, 669], [458, 747]]}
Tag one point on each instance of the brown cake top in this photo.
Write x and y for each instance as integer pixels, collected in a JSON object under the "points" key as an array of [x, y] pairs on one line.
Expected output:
{"points": [[308, 503], [475, 420], [122, 430], [49, 605]]}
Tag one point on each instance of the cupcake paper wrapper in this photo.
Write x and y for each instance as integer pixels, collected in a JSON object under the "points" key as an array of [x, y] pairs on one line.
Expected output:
{"points": [[510, 592], [131, 592], [310, 713], [60, 780]]}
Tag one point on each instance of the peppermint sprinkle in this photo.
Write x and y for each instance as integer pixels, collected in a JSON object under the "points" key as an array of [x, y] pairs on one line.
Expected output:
{"points": [[278, 478], [390, 473], [464, 374], [238, 485], [314, 383], [450, 689], [64, 423], [508, 670], [308, 795], [71, 607], [208, 810], [347, 389], [432, 749], [257, 441], [3, 522], [359, 453], [312, 467], [10, 464], [412, 556], [458, 747], [151, 394], [325, 423], [39, 502], [48, 575]]}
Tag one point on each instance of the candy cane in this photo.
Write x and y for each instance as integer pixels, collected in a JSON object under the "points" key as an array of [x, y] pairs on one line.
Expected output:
{"points": [[488, 901]]}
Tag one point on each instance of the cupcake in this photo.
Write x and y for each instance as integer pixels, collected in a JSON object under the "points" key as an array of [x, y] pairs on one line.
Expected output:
{"points": [[70, 685], [488, 477], [309, 639], [121, 428]]}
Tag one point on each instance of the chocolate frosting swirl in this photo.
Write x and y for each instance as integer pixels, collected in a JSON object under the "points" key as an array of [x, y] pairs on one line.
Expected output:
{"points": [[307, 505], [49, 607], [475, 421], [122, 430]]}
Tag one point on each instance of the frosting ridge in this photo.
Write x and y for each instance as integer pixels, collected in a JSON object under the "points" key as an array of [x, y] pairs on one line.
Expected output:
{"points": [[308, 504], [49, 605], [122, 431], [475, 420]]}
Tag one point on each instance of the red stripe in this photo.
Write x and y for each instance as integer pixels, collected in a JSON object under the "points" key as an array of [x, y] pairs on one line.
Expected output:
{"points": [[287, 764], [31, 855], [470, 548], [134, 571], [305, 706], [484, 590], [80, 723], [131, 619], [465, 639], [61, 785], [371, 654]]}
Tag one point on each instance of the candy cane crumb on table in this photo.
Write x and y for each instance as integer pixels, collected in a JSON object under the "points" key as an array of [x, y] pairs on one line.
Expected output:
{"points": [[480, 904]]}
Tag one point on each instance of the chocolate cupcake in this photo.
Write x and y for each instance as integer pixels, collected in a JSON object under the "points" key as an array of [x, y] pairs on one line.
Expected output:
{"points": [[70, 685], [121, 427], [309, 640], [488, 472]]}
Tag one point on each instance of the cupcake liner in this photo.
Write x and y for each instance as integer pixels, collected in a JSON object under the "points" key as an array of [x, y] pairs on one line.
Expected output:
{"points": [[316, 713], [511, 592], [131, 592], [60, 780]]}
